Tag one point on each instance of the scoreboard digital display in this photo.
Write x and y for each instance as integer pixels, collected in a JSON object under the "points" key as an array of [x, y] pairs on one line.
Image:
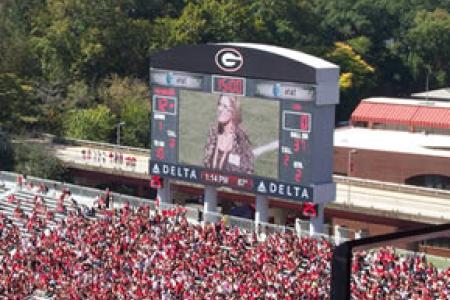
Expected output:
{"points": [[248, 134], [251, 117]]}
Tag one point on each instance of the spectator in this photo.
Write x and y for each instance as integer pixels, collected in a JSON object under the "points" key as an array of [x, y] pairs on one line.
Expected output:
{"points": [[135, 253]]}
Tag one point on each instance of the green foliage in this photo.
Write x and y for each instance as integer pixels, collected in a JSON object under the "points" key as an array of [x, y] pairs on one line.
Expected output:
{"points": [[351, 63], [90, 39], [429, 41], [95, 124], [202, 22], [356, 76], [6, 152], [128, 99], [18, 106], [60, 56], [136, 115], [115, 92], [34, 160]]}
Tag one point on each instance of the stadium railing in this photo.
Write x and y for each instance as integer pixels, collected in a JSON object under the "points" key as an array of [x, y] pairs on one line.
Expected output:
{"points": [[302, 227], [337, 178], [105, 146], [388, 186]]}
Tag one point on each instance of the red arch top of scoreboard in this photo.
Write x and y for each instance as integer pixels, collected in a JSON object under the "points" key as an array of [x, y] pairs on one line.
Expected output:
{"points": [[287, 100]]}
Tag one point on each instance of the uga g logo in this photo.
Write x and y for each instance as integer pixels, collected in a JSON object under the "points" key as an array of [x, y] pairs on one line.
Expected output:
{"points": [[229, 59]]}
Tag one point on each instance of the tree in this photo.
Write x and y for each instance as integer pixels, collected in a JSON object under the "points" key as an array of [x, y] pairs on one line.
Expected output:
{"points": [[128, 98], [19, 109], [34, 160], [203, 22], [95, 124], [88, 40], [6, 152], [356, 78], [116, 91], [136, 115], [428, 44], [289, 23], [16, 54]]}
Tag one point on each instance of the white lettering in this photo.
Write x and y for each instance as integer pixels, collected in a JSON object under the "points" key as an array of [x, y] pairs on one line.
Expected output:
{"points": [[297, 190], [305, 194], [175, 171], [281, 189], [159, 116], [272, 188], [286, 150], [262, 187], [155, 169], [288, 191], [158, 143], [242, 182], [295, 135], [298, 165], [165, 169]]}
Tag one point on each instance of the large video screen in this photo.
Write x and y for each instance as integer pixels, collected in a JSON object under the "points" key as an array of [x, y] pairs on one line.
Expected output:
{"points": [[229, 133], [248, 134]]}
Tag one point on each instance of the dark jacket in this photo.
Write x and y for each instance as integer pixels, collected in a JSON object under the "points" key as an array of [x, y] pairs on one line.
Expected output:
{"points": [[240, 159]]}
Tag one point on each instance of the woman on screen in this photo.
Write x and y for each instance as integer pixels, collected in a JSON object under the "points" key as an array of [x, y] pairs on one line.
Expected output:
{"points": [[228, 146]]}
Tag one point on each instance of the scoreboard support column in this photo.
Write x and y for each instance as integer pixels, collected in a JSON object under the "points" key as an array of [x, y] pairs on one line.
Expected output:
{"points": [[262, 209], [164, 193], [316, 223], [209, 202]]}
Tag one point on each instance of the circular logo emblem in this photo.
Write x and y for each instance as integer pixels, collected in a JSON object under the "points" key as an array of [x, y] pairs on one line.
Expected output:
{"points": [[229, 59]]}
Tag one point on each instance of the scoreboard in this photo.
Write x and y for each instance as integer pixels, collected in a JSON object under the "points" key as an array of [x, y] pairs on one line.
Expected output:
{"points": [[288, 123]]}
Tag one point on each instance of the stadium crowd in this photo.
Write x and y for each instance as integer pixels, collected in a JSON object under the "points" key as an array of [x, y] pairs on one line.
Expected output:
{"points": [[139, 253]]}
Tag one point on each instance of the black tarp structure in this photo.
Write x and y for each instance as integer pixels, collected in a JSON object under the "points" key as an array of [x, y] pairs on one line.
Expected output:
{"points": [[342, 254]]}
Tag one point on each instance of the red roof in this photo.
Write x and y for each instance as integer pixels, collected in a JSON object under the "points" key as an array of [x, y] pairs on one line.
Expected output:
{"points": [[400, 114], [434, 117]]}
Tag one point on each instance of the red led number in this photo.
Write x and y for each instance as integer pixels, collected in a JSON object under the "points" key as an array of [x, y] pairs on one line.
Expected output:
{"points": [[300, 145], [161, 126], [172, 142], [162, 104], [286, 160], [297, 106], [296, 145], [229, 85], [298, 175], [304, 122], [160, 153]]}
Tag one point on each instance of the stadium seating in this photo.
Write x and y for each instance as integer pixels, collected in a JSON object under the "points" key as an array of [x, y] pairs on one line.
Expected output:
{"points": [[138, 253]]}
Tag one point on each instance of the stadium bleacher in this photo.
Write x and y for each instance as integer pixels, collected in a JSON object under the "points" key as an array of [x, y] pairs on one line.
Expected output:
{"points": [[141, 253]]}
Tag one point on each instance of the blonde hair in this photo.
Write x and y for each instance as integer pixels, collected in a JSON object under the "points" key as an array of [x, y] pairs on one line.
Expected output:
{"points": [[236, 107]]}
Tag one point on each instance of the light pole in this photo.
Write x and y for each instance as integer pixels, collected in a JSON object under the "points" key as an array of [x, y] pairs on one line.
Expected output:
{"points": [[118, 132], [349, 171], [427, 82]]}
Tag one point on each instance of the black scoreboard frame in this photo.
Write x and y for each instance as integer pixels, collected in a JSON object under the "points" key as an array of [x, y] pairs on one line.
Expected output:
{"points": [[341, 265], [297, 80]]}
